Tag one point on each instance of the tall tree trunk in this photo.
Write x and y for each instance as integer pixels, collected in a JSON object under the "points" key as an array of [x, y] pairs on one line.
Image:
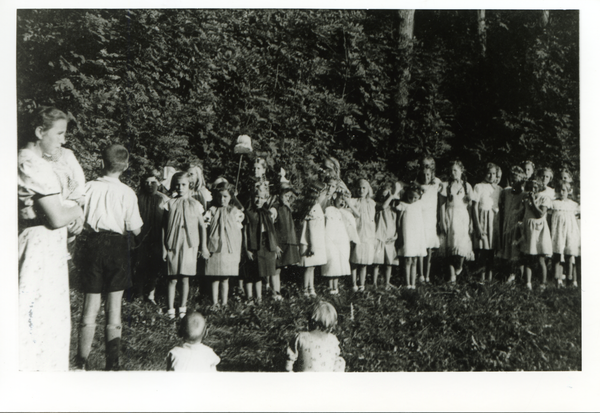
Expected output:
{"points": [[544, 18], [481, 31], [406, 30]]}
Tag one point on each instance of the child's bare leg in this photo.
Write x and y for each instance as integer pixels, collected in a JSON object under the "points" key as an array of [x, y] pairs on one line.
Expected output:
{"points": [[306, 279], [249, 294], [427, 263], [311, 280], [388, 275], [113, 329], [330, 284], [375, 275], [335, 283], [413, 270], [171, 292], [224, 284], [258, 288], [276, 283], [461, 261], [87, 330], [452, 271], [215, 291], [363, 275], [528, 267], [542, 261], [353, 273], [421, 269], [407, 264], [185, 291]]}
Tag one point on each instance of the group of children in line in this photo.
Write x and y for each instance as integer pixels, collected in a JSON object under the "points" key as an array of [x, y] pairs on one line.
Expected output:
{"points": [[193, 227]]}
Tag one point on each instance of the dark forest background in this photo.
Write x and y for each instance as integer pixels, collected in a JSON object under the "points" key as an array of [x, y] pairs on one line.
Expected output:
{"points": [[377, 89]]}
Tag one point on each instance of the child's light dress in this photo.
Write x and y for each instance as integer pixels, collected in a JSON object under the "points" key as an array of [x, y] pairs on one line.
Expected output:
{"points": [[536, 239], [192, 357], [337, 244], [548, 193], [315, 351], [430, 204], [386, 235], [457, 221], [182, 235], [487, 197], [313, 238], [364, 253], [224, 241], [412, 225], [512, 206], [566, 236]]}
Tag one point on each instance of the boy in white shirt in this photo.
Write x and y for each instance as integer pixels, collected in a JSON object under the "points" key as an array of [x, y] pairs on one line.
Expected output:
{"points": [[111, 214]]}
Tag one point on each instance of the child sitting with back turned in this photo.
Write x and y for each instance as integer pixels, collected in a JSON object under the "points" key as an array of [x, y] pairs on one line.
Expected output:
{"points": [[193, 355], [110, 212], [317, 349]]}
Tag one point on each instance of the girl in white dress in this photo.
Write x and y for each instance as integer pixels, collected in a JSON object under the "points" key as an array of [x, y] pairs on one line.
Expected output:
{"points": [[536, 243], [431, 187], [456, 222], [363, 254], [566, 236], [337, 244], [313, 252], [411, 232], [486, 197]]}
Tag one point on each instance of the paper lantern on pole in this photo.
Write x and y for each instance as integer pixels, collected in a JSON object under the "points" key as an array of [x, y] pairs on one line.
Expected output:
{"points": [[243, 145]]}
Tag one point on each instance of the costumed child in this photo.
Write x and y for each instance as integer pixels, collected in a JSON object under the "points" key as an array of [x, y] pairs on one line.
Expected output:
{"points": [[385, 233], [337, 244], [193, 355], [566, 235], [313, 252], [260, 243], [286, 236], [536, 244], [510, 212], [184, 234], [317, 349], [486, 196], [456, 219], [411, 242], [224, 241], [431, 187], [363, 254], [148, 253]]}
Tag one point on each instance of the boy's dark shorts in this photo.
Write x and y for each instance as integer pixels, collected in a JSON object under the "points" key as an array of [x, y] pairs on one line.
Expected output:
{"points": [[107, 263]]}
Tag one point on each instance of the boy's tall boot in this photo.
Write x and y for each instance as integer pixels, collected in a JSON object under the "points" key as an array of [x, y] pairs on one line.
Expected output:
{"points": [[113, 346], [86, 338]]}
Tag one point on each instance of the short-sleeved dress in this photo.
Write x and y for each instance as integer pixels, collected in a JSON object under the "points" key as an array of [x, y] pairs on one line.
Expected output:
{"points": [[364, 253], [566, 236], [386, 235], [337, 244], [315, 351], [313, 238], [487, 197], [457, 220], [224, 241], [412, 226], [537, 239], [512, 206], [195, 357], [182, 235], [44, 309], [430, 204]]}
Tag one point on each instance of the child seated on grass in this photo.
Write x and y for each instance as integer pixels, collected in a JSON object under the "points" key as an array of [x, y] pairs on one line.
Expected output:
{"points": [[317, 349], [193, 355]]}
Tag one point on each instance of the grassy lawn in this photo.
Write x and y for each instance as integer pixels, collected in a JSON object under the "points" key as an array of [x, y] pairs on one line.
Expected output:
{"points": [[438, 327]]}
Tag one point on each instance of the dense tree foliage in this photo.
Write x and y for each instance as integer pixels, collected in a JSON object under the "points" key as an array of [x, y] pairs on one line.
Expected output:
{"points": [[180, 85]]}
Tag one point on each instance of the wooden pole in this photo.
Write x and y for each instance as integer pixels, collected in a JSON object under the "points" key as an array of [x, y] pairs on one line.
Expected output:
{"points": [[238, 174]]}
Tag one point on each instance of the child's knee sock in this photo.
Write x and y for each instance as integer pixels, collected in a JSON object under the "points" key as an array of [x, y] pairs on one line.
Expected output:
{"points": [[113, 345], [86, 338]]}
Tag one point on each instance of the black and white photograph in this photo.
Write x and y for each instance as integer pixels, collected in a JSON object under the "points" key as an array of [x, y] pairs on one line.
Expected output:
{"points": [[391, 195]]}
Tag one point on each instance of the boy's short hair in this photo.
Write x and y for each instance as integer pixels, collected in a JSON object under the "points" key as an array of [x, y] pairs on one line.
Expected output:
{"points": [[116, 158], [195, 324]]}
